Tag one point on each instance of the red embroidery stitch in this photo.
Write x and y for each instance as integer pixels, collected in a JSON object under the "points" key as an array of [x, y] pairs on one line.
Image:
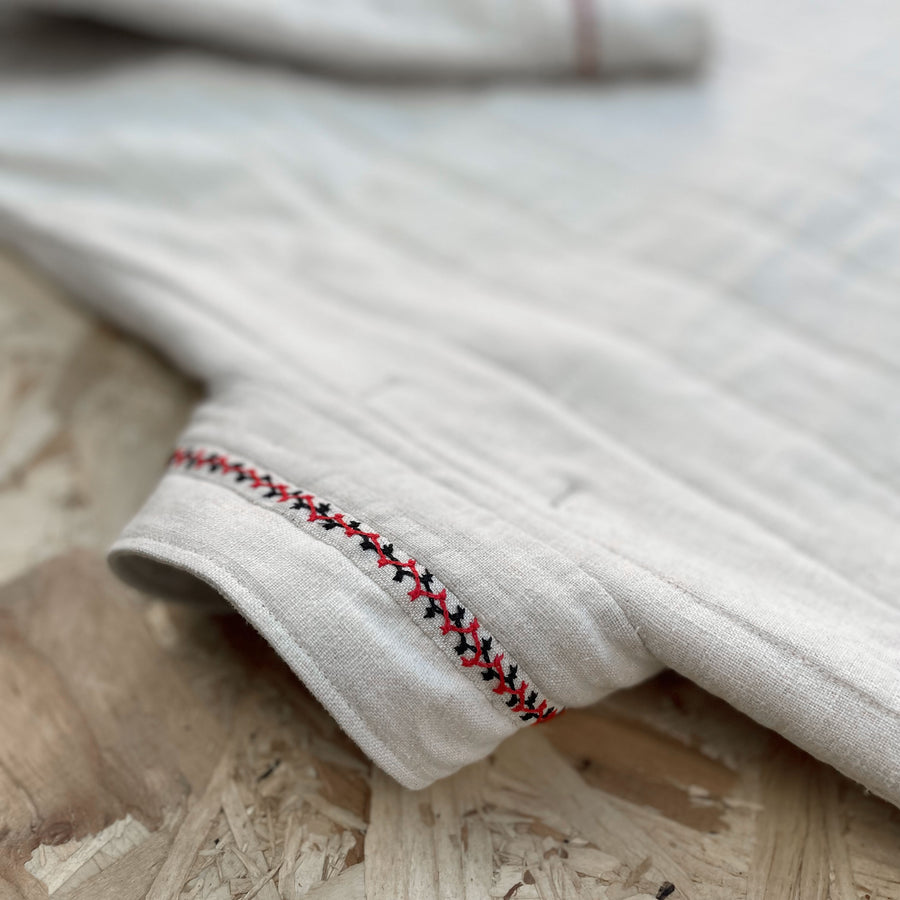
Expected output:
{"points": [[522, 697]]}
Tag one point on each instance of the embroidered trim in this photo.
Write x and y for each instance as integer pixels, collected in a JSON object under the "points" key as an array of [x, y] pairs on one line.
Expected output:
{"points": [[439, 613]]}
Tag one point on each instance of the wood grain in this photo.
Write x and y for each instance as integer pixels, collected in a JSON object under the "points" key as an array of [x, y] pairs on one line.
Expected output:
{"points": [[151, 751]]}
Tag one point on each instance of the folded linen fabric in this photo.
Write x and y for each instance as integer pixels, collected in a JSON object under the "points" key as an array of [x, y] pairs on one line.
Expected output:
{"points": [[517, 393], [468, 38]]}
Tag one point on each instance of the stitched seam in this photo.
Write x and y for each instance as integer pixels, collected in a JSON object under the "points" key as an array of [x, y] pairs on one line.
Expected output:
{"points": [[449, 623]]}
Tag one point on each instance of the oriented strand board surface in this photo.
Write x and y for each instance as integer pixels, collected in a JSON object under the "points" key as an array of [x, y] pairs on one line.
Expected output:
{"points": [[148, 751]]}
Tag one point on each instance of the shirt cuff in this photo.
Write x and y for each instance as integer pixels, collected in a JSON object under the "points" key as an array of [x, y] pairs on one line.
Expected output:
{"points": [[399, 661]]}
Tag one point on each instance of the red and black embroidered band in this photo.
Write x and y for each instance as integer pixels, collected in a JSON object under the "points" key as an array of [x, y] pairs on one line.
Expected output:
{"points": [[439, 613]]}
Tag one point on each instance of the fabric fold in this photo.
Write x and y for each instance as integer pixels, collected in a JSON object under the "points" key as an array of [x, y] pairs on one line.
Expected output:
{"points": [[409, 39]]}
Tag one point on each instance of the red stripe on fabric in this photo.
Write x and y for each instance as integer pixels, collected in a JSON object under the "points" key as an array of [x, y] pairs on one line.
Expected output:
{"points": [[522, 697]]}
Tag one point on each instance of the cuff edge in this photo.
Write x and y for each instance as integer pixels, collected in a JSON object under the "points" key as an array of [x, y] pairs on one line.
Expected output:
{"points": [[127, 557]]}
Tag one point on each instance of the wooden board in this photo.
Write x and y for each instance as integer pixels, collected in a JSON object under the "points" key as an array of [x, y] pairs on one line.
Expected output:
{"points": [[149, 751]]}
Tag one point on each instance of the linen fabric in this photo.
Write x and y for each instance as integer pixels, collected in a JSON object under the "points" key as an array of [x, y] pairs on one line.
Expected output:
{"points": [[614, 365], [461, 38]]}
